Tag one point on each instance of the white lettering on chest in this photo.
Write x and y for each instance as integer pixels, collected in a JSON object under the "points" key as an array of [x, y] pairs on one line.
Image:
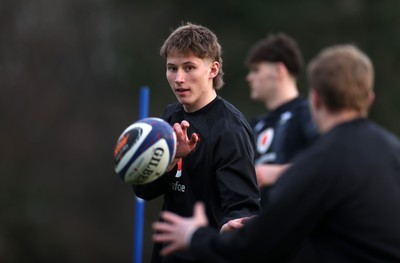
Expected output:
{"points": [[178, 187]]}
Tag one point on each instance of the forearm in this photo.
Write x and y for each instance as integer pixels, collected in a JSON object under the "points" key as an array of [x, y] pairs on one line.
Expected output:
{"points": [[240, 196], [205, 244], [268, 174]]}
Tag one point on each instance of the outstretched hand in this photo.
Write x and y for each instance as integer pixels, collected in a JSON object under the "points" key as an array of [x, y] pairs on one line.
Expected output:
{"points": [[184, 145], [177, 231]]}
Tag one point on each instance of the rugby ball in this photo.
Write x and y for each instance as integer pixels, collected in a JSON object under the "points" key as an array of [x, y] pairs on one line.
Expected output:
{"points": [[144, 150]]}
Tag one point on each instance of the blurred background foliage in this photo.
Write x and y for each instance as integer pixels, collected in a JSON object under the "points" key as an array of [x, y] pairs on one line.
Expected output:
{"points": [[70, 73]]}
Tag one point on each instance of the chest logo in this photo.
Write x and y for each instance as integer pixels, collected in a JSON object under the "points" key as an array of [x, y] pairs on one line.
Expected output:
{"points": [[264, 140], [179, 172]]}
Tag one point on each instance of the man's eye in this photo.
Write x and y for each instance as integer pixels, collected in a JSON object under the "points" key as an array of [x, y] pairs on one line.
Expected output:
{"points": [[189, 68], [171, 68]]}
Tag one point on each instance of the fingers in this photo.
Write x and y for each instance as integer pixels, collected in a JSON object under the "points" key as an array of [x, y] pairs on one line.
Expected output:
{"points": [[245, 219], [166, 238], [232, 225], [235, 224], [163, 228], [175, 231], [170, 232], [180, 135], [163, 232], [193, 140], [199, 209], [199, 214], [170, 217], [160, 227], [181, 130], [184, 145], [185, 125]]}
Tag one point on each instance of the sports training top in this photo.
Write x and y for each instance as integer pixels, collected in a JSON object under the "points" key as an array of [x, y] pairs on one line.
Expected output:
{"points": [[282, 133], [342, 193], [220, 171]]}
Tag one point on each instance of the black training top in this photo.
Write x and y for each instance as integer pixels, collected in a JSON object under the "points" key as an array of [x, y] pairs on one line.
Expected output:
{"points": [[342, 193], [283, 132], [220, 171]]}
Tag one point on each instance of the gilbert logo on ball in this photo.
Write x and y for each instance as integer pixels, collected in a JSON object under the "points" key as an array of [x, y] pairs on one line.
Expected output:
{"points": [[144, 150]]}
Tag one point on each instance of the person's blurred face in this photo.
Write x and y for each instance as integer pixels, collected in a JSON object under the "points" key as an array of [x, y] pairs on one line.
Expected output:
{"points": [[191, 79], [262, 79]]}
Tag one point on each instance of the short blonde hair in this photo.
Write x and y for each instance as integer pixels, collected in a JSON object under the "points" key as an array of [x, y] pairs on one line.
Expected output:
{"points": [[343, 76], [197, 40]]}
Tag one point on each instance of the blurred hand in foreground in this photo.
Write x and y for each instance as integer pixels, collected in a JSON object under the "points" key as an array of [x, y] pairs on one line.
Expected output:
{"points": [[177, 231]]}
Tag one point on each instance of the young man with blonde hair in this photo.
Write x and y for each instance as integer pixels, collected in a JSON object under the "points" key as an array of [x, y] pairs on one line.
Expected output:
{"points": [[214, 161], [342, 193]]}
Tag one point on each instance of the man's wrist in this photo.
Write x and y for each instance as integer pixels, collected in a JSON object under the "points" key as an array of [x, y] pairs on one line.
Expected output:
{"points": [[189, 236], [172, 164]]}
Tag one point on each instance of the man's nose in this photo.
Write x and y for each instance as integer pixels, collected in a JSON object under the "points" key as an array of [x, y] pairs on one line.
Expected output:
{"points": [[248, 77], [180, 76]]}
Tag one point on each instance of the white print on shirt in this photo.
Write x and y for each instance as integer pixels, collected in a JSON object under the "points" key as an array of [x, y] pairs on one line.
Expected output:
{"points": [[287, 115], [178, 187], [259, 126], [264, 140], [266, 158]]}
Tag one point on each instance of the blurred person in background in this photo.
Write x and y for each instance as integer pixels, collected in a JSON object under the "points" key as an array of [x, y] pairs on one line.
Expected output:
{"points": [[275, 63], [342, 193]]}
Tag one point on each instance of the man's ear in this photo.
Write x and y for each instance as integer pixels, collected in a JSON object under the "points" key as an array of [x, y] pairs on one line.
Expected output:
{"points": [[281, 69], [315, 99], [371, 98], [214, 69]]}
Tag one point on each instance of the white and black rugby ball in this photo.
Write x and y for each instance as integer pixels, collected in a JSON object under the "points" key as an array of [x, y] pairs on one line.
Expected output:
{"points": [[144, 150]]}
